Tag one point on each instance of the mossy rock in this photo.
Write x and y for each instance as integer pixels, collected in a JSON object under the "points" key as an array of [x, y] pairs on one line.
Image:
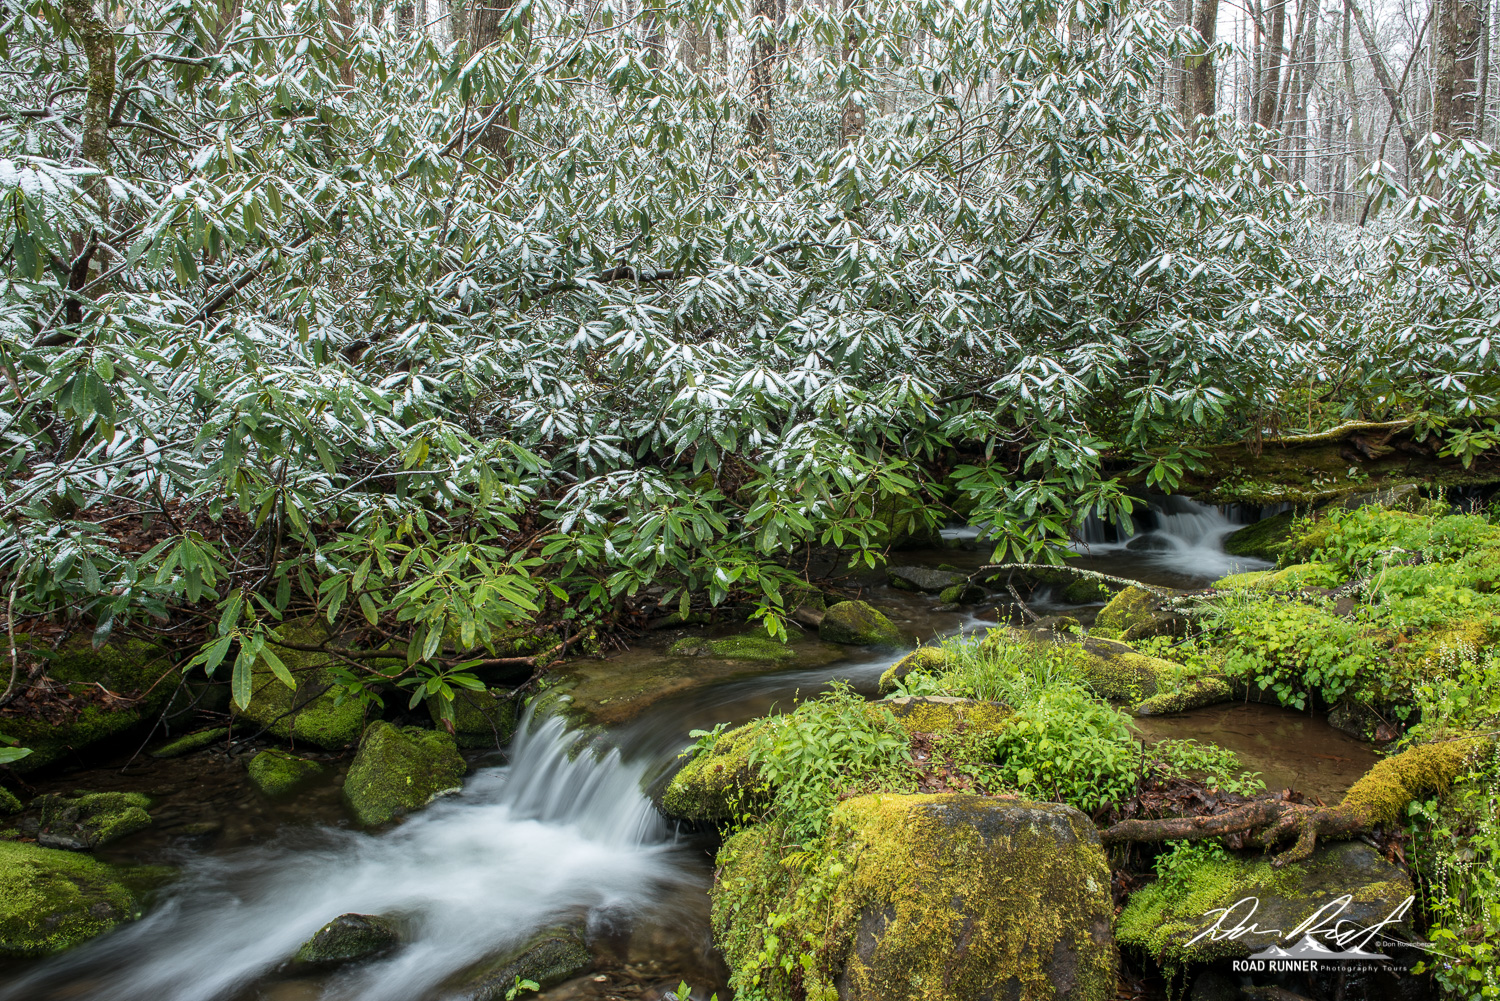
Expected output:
{"points": [[52, 900], [130, 667], [950, 897], [349, 937], [312, 712], [1266, 539], [1115, 670], [1360, 721], [547, 959], [87, 820], [1135, 614], [1086, 591], [278, 773], [1205, 691], [924, 579], [742, 647], [719, 784], [1292, 578], [857, 623], [945, 715], [480, 719], [190, 743], [929, 660], [8, 802], [962, 594], [1162, 918], [400, 769]]}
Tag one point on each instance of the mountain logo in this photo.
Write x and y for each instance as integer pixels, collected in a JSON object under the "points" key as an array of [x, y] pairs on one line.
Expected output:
{"points": [[1308, 947]]}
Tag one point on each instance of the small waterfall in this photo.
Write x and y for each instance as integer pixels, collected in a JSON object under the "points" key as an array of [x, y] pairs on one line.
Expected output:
{"points": [[1175, 533], [550, 837]]}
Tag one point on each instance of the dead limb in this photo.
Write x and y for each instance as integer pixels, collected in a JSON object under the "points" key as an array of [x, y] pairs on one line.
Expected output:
{"points": [[992, 568]]}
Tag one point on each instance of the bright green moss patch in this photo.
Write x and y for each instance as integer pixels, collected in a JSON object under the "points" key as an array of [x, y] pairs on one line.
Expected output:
{"points": [[1131, 607], [88, 820], [52, 900], [945, 715], [277, 773], [743, 647], [312, 712], [349, 937], [1266, 539], [400, 769], [8, 802], [1381, 796], [928, 660], [480, 719], [719, 784], [190, 743], [858, 623]]}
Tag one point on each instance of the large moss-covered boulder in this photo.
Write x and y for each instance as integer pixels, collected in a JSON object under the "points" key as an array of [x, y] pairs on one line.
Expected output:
{"points": [[130, 668], [1162, 918], [924, 660], [1290, 579], [1266, 539], [743, 647], [950, 897], [277, 773], [349, 937], [52, 900], [945, 715], [480, 719], [718, 784], [1135, 613], [88, 820], [312, 712], [546, 959], [1116, 670], [400, 769], [857, 623]]}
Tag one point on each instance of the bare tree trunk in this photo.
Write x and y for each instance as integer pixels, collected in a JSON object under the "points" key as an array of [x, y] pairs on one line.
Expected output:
{"points": [[1482, 105], [852, 122], [406, 19], [1294, 69], [1387, 85], [697, 48], [1203, 79], [485, 21], [458, 21], [1271, 84], [763, 58], [1356, 141], [1456, 57]]}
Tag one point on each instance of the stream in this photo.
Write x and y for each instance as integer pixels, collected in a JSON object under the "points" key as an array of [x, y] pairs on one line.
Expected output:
{"points": [[545, 835]]}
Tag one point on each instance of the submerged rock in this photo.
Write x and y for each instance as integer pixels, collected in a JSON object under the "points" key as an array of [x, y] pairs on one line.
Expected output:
{"points": [[349, 937], [52, 900], [279, 773], [400, 769], [88, 820], [928, 660], [857, 623], [1162, 918], [547, 959], [743, 647], [924, 579], [312, 712], [955, 897], [480, 719], [190, 743]]}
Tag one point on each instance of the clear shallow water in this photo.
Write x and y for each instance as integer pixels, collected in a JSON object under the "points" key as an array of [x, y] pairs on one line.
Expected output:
{"points": [[555, 835]]}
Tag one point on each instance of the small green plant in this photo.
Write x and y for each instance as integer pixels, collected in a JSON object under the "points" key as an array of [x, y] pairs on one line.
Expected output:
{"points": [[520, 987]]}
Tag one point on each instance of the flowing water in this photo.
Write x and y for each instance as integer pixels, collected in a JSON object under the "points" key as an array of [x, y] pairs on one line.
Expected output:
{"points": [[558, 832]]}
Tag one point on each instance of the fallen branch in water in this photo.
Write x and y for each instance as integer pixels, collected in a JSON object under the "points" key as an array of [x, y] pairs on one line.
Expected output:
{"points": [[993, 568]]}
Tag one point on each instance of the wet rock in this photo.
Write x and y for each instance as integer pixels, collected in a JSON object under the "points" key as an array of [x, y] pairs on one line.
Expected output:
{"points": [[1400, 497], [349, 937], [929, 660], [88, 820], [944, 714], [400, 769], [547, 959], [743, 647], [924, 579], [1162, 918], [718, 784], [1266, 539], [956, 896], [1134, 614], [1086, 591], [278, 773], [8, 802], [856, 623], [962, 594], [311, 713], [1205, 691], [128, 667], [480, 719], [1149, 543], [190, 743], [1211, 985], [52, 900], [1055, 627]]}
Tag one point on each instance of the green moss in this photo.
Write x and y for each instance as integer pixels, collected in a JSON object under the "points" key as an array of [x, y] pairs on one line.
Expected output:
{"points": [[349, 937], [88, 820], [52, 900], [742, 647], [857, 623], [1382, 794], [1194, 694], [1266, 539], [8, 802], [312, 712], [1114, 670], [190, 743], [929, 660], [277, 773], [1292, 578], [719, 784], [400, 769], [1086, 591], [480, 719], [943, 715], [954, 897], [1131, 609]]}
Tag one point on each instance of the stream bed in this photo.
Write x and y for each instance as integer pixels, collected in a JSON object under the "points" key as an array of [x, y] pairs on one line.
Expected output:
{"points": [[546, 835]]}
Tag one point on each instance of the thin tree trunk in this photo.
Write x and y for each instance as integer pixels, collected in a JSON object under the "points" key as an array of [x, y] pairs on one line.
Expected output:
{"points": [[1355, 145], [852, 122], [1203, 79], [1455, 62], [1270, 85], [1387, 85], [763, 54], [484, 30]]}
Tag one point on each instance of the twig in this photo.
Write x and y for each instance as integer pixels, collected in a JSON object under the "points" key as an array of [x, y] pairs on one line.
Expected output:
{"points": [[1021, 604]]}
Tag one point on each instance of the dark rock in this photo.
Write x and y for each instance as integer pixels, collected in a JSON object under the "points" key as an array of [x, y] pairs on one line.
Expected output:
{"points": [[349, 937], [401, 769], [962, 594], [1361, 722], [88, 820], [1211, 985], [480, 719], [856, 623], [311, 712], [547, 959], [1266, 539], [924, 579]]}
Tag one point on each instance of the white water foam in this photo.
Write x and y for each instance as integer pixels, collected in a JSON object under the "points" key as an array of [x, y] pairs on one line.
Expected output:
{"points": [[541, 840], [1188, 538]]}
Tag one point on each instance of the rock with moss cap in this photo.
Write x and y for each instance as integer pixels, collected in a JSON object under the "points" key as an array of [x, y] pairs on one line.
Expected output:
{"points": [[1162, 918], [87, 820], [1135, 613], [1208, 690], [924, 579], [924, 660], [1293, 578], [52, 900], [857, 623], [1266, 539], [312, 712], [742, 647], [8, 802], [480, 719], [950, 897], [400, 769], [719, 783], [278, 773], [943, 714], [349, 937], [546, 959], [191, 742], [128, 667]]}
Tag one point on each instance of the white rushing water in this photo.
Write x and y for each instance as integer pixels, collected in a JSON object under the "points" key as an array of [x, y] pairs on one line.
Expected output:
{"points": [[526, 845], [1188, 538]]}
